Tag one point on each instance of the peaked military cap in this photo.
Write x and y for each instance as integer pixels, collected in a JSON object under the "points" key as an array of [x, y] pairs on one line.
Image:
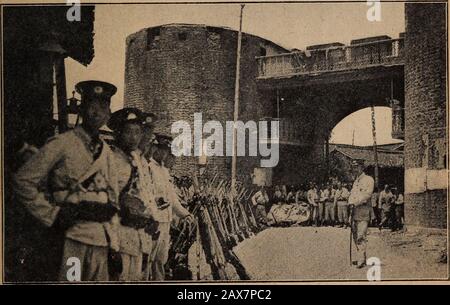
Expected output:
{"points": [[94, 89], [126, 115], [163, 140]]}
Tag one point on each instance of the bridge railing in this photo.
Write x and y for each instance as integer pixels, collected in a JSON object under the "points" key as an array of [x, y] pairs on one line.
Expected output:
{"points": [[336, 58]]}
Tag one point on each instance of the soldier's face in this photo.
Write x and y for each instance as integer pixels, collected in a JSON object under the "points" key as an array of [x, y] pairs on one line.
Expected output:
{"points": [[96, 114], [357, 170], [160, 155], [169, 162], [130, 136], [147, 138]]}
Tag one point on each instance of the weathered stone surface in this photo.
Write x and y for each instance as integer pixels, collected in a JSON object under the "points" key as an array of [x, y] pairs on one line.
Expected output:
{"points": [[425, 108], [191, 68]]}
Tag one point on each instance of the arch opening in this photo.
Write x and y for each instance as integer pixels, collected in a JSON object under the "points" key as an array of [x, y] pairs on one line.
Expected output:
{"points": [[352, 139]]}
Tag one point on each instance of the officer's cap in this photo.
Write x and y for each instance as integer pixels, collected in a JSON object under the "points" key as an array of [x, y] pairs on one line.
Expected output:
{"points": [[94, 89], [123, 116], [163, 140]]}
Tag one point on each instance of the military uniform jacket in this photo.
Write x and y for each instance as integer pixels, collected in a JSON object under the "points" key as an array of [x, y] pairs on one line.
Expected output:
{"points": [[360, 197], [324, 195], [341, 196], [385, 200], [131, 241], [61, 165], [312, 197], [163, 187]]}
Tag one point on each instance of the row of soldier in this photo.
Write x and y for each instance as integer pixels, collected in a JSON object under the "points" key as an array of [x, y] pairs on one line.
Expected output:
{"points": [[328, 204], [112, 204], [347, 205]]}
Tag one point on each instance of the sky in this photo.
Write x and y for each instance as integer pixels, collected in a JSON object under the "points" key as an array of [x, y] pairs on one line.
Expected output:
{"points": [[292, 25]]}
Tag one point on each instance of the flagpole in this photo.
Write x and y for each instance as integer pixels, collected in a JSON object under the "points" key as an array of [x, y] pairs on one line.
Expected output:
{"points": [[375, 149], [236, 104]]}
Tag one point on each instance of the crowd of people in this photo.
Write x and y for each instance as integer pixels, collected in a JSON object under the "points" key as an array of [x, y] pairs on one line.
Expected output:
{"points": [[333, 203], [328, 204]]}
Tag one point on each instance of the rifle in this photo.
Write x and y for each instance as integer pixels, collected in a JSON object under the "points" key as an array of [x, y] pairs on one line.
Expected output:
{"points": [[251, 226], [211, 246], [224, 251], [252, 218], [238, 231], [221, 220], [245, 220], [230, 256], [231, 222]]}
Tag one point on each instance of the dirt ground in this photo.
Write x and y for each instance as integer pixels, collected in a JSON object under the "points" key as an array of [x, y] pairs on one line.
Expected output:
{"points": [[308, 253]]}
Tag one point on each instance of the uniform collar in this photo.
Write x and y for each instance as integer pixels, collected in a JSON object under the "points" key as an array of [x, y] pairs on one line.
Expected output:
{"points": [[124, 154], [361, 176], [94, 145], [83, 135]]}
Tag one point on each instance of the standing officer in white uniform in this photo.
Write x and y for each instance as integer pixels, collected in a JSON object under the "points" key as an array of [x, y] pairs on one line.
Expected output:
{"points": [[362, 212], [54, 184], [168, 204]]}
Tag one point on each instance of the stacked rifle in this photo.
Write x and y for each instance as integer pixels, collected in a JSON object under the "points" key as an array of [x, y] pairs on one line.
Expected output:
{"points": [[223, 218]]}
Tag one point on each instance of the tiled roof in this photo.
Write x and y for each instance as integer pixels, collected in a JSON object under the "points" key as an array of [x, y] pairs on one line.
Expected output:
{"points": [[385, 158], [32, 26]]}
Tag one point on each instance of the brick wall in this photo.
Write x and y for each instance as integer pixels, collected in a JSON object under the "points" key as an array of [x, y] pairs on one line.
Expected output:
{"points": [[425, 106], [428, 209], [177, 70]]}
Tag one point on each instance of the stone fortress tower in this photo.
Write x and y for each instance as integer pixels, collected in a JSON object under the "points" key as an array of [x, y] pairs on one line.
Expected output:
{"points": [[176, 70]]}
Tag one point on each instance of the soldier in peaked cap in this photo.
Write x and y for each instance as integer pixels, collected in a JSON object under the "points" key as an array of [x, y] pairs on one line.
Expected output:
{"points": [[168, 204], [163, 142], [95, 104], [120, 119], [136, 199], [361, 209], [81, 194], [148, 134], [95, 90]]}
